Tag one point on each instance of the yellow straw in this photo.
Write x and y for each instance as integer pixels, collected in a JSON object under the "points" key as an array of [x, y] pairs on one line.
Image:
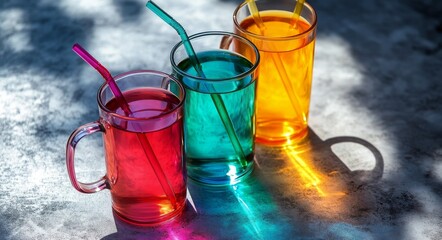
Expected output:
{"points": [[275, 57], [297, 13], [255, 14]]}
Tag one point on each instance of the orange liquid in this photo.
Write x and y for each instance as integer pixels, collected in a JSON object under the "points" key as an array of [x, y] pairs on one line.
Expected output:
{"points": [[282, 105]]}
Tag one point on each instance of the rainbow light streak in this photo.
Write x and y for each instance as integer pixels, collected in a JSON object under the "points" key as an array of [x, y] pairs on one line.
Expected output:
{"points": [[306, 172], [173, 235], [176, 232], [248, 212]]}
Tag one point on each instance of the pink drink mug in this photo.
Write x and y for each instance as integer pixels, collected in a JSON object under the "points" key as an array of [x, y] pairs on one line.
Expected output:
{"points": [[145, 168]]}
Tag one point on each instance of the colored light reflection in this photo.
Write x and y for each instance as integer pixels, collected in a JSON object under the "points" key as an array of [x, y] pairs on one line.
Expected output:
{"points": [[302, 160], [315, 179], [165, 208], [178, 228], [258, 213], [308, 175], [246, 209], [248, 212]]}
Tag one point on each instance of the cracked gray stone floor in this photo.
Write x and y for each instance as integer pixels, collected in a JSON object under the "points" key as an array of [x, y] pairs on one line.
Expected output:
{"points": [[377, 83]]}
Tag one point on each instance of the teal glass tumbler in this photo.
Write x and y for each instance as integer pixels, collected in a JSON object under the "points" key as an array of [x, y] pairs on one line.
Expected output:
{"points": [[219, 115]]}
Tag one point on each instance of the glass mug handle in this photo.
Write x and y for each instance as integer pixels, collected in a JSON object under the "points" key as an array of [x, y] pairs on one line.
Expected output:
{"points": [[75, 137]]}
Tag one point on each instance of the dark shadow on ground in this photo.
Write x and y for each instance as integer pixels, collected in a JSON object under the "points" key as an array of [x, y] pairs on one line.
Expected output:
{"points": [[398, 46], [291, 191]]}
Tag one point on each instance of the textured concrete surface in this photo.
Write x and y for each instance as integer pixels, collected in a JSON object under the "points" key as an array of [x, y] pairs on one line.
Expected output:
{"points": [[377, 83]]}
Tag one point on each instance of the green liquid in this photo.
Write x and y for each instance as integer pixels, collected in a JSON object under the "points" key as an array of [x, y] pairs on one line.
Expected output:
{"points": [[211, 157]]}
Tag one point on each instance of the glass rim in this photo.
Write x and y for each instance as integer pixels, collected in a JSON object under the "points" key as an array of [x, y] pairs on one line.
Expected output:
{"points": [[267, 38], [118, 77], [214, 33]]}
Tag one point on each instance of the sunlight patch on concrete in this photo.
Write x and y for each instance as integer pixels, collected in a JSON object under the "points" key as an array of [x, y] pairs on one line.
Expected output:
{"points": [[101, 12], [14, 31]]}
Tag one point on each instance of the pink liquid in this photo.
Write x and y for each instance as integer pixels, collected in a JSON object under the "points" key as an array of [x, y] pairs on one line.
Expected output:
{"points": [[137, 194]]}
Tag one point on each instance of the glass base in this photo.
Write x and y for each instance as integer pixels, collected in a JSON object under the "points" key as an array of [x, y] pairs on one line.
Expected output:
{"points": [[218, 172], [280, 133], [152, 222]]}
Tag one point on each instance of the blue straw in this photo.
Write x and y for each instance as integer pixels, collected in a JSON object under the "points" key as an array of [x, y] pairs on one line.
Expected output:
{"points": [[216, 98]]}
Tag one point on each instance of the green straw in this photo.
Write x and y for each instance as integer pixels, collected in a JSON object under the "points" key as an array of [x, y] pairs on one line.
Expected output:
{"points": [[294, 100], [216, 98]]}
